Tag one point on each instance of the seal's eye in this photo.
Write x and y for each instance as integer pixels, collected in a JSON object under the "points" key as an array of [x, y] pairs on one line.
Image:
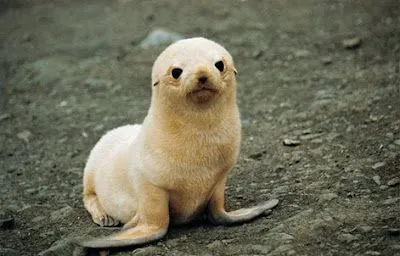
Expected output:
{"points": [[176, 72], [219, 65]]}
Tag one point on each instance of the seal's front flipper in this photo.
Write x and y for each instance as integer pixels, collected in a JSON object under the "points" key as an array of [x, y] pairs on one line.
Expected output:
{"points": [[133, 236], [149, 224], [218, 215]]}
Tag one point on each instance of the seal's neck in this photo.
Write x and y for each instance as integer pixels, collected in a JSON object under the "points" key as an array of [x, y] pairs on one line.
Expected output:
{"points": [[207, 117]]}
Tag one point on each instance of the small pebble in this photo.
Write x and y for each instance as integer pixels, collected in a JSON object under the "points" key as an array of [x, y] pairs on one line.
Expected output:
{"points": [[390, 135], [317, 141], [279, 168], [38, 219], [284, 236], [351, 43], [377, 179], [373, 118], [391, 200], [328, 196], [257, 54], [214, 245], [24, 135], [291, 143], [366, 229], [175, 242], [259, 155], [378, 165], [397, 142], [6, 116], [350, 128], [61, 213], [346, 237], [372, 253], [98, 127], [302, 53], [383, 187], [393, 182]]}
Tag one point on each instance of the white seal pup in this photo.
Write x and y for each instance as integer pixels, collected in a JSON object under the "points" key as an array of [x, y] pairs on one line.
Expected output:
{"points": [[174, 166]]}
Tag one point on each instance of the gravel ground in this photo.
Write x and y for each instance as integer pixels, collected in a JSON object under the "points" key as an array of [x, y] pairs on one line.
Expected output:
{"points": [[319, 94]]}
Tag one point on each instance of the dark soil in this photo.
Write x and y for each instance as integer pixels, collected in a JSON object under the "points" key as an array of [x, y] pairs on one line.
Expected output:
{"points": [[71, 70]]}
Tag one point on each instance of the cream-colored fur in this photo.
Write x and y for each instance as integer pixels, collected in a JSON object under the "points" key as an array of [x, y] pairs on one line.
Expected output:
{"points": [[174, 166]]}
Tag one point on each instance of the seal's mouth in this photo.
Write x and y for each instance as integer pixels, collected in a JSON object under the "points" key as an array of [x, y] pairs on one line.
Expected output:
{"points": [[202, 94], [203, 89]]}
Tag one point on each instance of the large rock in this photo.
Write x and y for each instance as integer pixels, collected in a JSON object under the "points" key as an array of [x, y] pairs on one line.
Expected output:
{"points": [[160, 37]]}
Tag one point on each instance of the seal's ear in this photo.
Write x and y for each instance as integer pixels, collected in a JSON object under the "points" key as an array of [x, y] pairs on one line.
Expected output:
{"points": [[155, 79]]}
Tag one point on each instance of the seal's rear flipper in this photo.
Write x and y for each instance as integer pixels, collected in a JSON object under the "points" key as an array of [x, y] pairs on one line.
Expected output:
{"points": [[133, 236], [218, 215], [242, 215]]}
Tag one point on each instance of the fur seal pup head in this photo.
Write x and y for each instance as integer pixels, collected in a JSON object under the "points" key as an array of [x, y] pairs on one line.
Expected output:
{"points": [[194, 72]]}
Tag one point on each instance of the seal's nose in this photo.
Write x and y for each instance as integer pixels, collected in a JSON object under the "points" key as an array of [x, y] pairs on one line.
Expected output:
{"points": [[202, 79]]}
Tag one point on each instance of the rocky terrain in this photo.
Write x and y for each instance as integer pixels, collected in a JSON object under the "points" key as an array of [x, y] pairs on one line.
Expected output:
{"points": [[319, 94]]}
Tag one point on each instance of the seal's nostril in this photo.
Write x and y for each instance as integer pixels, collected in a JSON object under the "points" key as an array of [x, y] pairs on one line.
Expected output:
{"points": [[202, 79]]}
